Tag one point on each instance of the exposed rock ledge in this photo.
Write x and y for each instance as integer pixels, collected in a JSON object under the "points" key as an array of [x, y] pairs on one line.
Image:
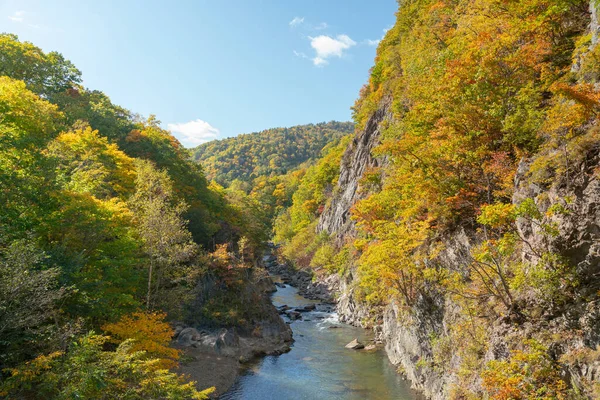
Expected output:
{"points": [[215, 357]]}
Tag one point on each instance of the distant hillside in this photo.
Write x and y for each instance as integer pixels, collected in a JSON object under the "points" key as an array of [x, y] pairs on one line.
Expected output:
{"points": [[267, 153]]}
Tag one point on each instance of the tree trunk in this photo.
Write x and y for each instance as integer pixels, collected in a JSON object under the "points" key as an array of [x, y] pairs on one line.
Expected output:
{"points": [[149, 285]]}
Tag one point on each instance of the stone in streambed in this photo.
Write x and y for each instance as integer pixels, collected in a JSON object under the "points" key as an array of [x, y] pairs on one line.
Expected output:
{"points": [[355, 345], [294, 315], [188, 336]]}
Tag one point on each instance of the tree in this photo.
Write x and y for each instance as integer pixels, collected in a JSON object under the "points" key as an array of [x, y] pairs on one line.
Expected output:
{"points": [[89, 163], [149, 333], [27, 123], [86, 371], [29, 300], [165, 238], [44, 74]]}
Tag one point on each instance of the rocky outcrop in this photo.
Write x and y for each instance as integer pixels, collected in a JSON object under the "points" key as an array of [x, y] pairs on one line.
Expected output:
{"points": [[578, 217], [323, 289], [408, 341], [218, 352], [357, 159]]}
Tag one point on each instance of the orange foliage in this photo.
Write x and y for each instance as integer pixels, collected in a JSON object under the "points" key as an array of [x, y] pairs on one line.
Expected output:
{"points": [[151, 334], [525, 375]]}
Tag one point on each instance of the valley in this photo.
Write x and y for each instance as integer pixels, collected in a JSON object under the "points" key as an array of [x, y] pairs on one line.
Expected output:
{"points": [[444, 244]]}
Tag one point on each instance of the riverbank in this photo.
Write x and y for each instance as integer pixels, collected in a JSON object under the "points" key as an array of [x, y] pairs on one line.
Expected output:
{"points": [[320, 365], [215, 356]]}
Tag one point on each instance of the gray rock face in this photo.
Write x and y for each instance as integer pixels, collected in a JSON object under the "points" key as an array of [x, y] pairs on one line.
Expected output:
{"points": [[355, 161], [228, 338], [594, 30], [594, 25], [579, 225], [188, 336]]}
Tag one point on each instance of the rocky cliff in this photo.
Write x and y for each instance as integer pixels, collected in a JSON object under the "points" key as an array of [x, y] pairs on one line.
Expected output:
{"points": [[357, 159], [408, 342], [568, 205]]}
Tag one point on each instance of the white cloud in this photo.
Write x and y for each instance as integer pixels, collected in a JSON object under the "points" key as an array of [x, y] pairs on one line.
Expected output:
{"points": [[300, 54], [372, 42], [319, 62], [17, 16], [321, 26], [326, 47], [296, 21], [194, 133]]}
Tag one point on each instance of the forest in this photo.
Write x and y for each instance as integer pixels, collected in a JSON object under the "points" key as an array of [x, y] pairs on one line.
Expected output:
{"points": [[268, 153], [459, 214], [487, 150], [106, 227]]}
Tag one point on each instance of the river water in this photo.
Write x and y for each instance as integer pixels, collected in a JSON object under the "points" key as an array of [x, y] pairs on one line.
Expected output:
{"points": [[318, 366]]}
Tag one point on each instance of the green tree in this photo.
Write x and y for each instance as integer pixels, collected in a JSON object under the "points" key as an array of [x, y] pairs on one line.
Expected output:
{"points": [[87, 371], [161, 227], [44, 74], [29, 301]]}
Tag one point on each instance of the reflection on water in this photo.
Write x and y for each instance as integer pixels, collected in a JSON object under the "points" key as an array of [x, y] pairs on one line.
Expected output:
{"points": [[318, 366]]}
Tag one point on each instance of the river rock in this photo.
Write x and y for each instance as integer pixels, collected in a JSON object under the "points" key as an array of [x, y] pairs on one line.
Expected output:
{"points": [[370, 347], [355, 345], [177, 328], [188, 336], [294, 315], [283, 309], [228, 338]]}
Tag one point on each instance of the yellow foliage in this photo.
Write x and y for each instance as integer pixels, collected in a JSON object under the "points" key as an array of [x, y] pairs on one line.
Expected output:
{"points": [[150, 334], [91, 164], [392, 265], [527, 375]]}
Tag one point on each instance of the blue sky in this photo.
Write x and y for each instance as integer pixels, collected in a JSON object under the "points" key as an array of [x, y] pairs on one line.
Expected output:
{"points": [[214, 69]]}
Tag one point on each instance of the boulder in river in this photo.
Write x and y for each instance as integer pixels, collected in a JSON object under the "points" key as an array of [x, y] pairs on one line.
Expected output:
{"points": [[294, 315], [370, 347], [355, 345]]}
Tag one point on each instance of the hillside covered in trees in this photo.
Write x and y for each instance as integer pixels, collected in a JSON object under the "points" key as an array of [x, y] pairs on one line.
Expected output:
{"points": [[107, 229], [267, 153], [462, 221], [458, 216]]}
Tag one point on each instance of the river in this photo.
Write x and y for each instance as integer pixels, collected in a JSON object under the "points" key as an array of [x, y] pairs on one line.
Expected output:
{"points": [[318, 366]]}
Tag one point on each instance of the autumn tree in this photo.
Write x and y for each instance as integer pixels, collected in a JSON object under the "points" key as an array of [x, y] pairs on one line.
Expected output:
{"points": [[88, 371], [149, 333], [44, 73], [30, 295], [165, 238]]}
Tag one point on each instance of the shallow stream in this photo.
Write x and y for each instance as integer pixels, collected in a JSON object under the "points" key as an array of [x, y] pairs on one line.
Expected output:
{"points": [[319, 366]]}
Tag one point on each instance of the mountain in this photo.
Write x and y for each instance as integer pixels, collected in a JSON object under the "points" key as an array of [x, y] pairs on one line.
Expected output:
{"points": [[463, 222], [267, 153]]}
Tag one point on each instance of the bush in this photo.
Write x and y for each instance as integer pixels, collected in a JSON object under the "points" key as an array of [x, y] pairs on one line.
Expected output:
{"points": [[150, 334], [527, 374], [86, 371]]}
